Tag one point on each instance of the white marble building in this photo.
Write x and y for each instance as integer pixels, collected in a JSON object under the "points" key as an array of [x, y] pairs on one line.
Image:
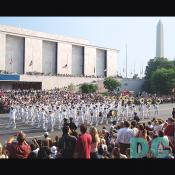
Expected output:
{"points": [[23, 51]]}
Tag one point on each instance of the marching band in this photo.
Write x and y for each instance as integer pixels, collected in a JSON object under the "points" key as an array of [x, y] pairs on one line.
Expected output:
{"points": [[49, 116]]}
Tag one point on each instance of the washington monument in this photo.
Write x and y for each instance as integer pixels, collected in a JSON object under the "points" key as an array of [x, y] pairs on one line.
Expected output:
{"points": [[159, 40]]}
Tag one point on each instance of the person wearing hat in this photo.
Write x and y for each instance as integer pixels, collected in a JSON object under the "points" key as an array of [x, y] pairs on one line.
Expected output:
{"points": [[21, 111], [43, 119], [64, 113], [104, 116], [51, 120], [17, 107], [35, 115], [54, 152], [12, 117], [148, 111], [58, 117], [80, 115], [142, 111], [38, 117], [26, 114], [20, 149]]}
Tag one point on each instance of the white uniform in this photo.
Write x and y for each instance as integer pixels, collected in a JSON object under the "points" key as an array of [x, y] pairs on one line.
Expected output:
{"points": [[81, 116], [156, 110], [12, 117], [22, 113], [18, 116], [142, 111], [148, 111], [51, 121], [26, 115], [43, 120]]}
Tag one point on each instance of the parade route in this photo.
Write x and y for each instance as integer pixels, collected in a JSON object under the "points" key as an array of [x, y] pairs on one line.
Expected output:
{"points": [[165, 111]]}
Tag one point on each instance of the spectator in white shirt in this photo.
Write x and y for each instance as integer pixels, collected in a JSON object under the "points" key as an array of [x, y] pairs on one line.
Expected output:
{"points": [[133, 127], [124, 135]]}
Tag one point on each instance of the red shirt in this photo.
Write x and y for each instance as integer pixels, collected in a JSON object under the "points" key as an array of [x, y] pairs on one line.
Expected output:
{"points": [[169, 130], [83, 146], [19, 151]]}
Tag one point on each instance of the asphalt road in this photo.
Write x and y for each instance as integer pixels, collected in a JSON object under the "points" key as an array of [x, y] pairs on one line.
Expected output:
{"points": [[165, 111]]}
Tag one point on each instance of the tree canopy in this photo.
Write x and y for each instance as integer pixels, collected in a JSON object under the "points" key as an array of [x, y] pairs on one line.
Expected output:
{"points": [[89, 88], [159, 76], [111, 84]]}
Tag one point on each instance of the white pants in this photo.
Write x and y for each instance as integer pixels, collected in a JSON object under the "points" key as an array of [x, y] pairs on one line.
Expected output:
{"points": [[12, 123]]}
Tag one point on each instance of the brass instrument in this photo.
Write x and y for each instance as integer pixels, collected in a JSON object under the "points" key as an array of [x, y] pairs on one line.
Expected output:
{"points": [[114, 113], [142, 100], [120, 98], [149, 101], [131, 99], [158, 101]]}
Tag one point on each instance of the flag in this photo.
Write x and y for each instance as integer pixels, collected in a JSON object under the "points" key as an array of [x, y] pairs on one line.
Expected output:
{"points": [[64, 66], [11, 61], [31, 63]]}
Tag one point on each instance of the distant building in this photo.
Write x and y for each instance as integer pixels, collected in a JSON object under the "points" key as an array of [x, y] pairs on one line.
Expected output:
{"points": [[25, 52]]}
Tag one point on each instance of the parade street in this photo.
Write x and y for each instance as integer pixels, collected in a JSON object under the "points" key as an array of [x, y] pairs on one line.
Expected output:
{"points": [[165, 111]]}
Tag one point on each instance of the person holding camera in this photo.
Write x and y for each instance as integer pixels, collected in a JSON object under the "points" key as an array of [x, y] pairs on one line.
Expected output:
{"points": [[18, 148]]}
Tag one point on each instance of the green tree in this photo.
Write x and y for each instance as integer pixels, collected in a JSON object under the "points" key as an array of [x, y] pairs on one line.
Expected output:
{"points": [[89, 88], [162, 81], [135, 76], [71, 87], [111, 84], [153, 65]]}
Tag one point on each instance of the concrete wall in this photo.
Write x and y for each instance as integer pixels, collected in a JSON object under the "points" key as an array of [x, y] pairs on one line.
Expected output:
{"points": [[64, 57], [126, 84], [111, 63], [33, 52], [49, 52], [77, 60], [50, 82], [2, 51], [89, 60], [14, 61]]}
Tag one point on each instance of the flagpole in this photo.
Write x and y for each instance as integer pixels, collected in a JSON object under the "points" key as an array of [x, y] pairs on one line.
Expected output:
{"points": [[32, 60], [126, 62], [11, 65]]}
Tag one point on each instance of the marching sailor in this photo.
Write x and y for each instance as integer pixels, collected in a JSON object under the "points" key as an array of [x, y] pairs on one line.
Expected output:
{"points": [[12, 117]]}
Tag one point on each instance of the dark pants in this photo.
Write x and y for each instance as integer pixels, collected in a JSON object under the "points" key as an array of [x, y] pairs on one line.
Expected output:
{"points": [[94, 155], [123, 148]]}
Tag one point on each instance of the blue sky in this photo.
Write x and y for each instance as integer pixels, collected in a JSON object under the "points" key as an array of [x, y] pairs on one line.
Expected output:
{"points": [[139, 33]]}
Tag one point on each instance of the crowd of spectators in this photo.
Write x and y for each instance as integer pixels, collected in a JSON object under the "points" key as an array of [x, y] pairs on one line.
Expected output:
{"points": [[92, 143]]}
